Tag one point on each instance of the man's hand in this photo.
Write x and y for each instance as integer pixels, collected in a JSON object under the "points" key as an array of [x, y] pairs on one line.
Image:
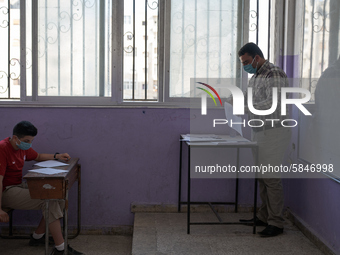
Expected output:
{"points": [[3, 216], [63, 157]]}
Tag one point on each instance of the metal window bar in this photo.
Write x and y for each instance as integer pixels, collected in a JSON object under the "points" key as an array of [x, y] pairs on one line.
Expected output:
{"points": [[7, 75], [269, 16], [257, 21], [146, 50], [133, 50], [71, 55], [311, 48], [109, 32], [9, 50], [58, 47], [84, 45], [101, 48], [46, 50], [208, 36], [183, 38], [323, 34], [146, 55], [23, 50]]}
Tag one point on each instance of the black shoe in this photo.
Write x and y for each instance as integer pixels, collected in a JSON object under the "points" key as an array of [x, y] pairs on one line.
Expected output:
{"points": [[70, 251], [40, 241], [251, 222], [271, 230]]}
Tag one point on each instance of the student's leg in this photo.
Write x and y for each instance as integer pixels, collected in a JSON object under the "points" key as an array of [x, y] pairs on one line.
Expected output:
{"points": [[18, 197], [55, 230]]}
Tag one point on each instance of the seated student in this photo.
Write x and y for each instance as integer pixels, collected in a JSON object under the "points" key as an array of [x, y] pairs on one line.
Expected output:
{"points": [[14, 193]]}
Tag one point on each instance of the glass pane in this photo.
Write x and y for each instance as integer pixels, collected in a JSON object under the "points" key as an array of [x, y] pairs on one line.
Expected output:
{"points": [[10, 49], [320, 45], [140, 50], [74, 44], [204, 42]]}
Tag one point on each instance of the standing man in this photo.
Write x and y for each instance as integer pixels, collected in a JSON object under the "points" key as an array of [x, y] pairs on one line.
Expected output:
{"points": [[14, 193], [272, 138]]}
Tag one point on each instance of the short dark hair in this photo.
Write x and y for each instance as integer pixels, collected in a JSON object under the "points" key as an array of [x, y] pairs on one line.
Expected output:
{"points": [[24, 128], [252, 49]]}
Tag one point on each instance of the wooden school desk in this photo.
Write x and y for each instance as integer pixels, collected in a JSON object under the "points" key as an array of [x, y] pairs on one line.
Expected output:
{"points": [[56, 187]]}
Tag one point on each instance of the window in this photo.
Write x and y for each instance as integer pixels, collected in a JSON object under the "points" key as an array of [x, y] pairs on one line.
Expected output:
{"points": [[320, 34], [10, 50], [136, 69], [74, 43], [203, 42], [87, 50]]}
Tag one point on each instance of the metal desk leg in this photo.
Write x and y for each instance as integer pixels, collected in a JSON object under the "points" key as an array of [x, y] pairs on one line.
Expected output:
{"points": [[188, 205], [237, 169], [180, 178], [46, 223], [255, 191], [79, 202], [78, 210], [66, 223]]}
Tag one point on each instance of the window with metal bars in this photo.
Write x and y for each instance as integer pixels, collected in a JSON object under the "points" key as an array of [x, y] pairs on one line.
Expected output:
{"points": [[319, 46], [87, 50]]}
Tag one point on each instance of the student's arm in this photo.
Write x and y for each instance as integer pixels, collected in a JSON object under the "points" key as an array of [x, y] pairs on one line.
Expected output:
{"points": [[3, 215], [43, 157]]}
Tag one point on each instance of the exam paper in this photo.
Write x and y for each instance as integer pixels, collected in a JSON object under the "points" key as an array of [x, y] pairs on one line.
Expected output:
{"points": [[50, 163], [47, 170], [233, 118], [200, 138]]}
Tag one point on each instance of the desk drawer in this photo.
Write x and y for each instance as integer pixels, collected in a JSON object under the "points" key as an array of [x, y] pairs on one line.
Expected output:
{"points": [[46, 188]]}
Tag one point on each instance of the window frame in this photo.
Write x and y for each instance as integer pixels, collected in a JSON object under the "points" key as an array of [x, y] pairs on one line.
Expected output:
{"points": [[117, 64]]}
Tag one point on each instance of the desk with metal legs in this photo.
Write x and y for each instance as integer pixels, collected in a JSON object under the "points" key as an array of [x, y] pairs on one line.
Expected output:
{"points": [[210, 144], [56, 187]]}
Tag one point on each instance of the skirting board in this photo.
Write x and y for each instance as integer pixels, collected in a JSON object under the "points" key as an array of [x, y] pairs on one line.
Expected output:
{"points": [[172, 208], [310, 234], [85, 230]]}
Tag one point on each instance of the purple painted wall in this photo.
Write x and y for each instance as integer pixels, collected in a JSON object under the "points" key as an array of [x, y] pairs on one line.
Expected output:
{"points": [[131, 155], [314, 201], [127, 155]]}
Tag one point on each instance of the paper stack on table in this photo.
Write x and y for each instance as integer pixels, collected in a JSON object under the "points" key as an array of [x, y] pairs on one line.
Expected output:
{"points": [[201, 138], [47, 167]]}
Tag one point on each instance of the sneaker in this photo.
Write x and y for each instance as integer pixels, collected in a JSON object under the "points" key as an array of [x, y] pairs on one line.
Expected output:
{"points": [[70, 251], [40, 241]]}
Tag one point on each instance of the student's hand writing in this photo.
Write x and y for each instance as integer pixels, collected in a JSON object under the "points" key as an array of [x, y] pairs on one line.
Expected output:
{"points": [[3, 216]]}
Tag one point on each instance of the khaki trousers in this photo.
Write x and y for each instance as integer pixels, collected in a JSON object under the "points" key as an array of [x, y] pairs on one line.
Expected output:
{"points": [[18, 197], [272, 146]]}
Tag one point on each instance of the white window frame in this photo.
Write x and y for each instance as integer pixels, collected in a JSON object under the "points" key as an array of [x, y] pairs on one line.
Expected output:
{"points": [[116, 99]]}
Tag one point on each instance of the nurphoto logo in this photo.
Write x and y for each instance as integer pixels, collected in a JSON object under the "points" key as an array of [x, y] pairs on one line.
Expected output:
{"points": [[238, 103]]}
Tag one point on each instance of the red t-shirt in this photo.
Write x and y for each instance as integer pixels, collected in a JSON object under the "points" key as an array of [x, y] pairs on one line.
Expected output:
{"points": [[12, 162]]}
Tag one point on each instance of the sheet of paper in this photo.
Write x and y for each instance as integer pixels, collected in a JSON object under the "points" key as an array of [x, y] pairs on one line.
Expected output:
{"points": [[235, 119], [50, 163], [200, 137], [47, 170]]}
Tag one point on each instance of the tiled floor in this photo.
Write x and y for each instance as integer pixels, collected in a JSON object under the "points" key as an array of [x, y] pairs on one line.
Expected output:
{"points": [[165, 233]]}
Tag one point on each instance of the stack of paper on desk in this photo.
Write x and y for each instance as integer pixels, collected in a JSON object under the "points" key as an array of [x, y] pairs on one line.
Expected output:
{"points": [[48, 170], [201, 138], [47, 167], [50, 163]]}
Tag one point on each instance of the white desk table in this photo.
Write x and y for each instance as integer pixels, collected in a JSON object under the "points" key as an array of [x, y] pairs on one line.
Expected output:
{"points": [[208, 141]]}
